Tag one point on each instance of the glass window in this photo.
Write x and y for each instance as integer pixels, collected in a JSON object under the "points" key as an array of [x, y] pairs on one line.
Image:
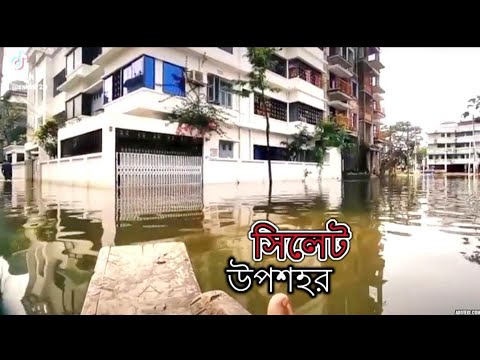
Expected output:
{"points": [[70, 109], [227, 49], [173, 79], [133, 76], [226, 149], [225, 95], [70, 63], [107, 90], [40, 92], [77, 106], [77, 57]]}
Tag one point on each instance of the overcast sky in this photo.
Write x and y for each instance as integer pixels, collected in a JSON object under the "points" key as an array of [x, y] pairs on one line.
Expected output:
{"points": [[428, 86], [425, 86]]}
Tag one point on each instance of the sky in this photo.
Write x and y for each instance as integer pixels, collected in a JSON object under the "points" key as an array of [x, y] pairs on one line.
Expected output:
{"points": [[10, 72], [426, 86]]}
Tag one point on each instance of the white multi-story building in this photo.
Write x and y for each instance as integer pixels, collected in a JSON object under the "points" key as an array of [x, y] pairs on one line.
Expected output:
{"points": [[116, 102], [452, 146]]}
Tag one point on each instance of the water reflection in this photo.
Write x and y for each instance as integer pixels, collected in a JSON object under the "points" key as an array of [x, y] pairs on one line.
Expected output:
{"points": [[415, 241]]}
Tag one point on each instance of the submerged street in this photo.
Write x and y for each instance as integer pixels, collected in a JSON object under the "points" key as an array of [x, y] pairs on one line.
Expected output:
{"points": [[415, 246]]}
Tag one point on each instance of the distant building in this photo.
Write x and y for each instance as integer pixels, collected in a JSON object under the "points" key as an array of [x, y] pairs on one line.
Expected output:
{"points": [[13, 104], [451, 146]]}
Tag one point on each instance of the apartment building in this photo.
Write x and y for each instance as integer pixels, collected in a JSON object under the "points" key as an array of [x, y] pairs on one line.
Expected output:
{"points": [[354, 99], [451, 147], [116, 101]]}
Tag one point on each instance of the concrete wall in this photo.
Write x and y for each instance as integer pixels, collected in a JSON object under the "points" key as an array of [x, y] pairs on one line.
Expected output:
{"points": [[18, 171], [77, 170]]}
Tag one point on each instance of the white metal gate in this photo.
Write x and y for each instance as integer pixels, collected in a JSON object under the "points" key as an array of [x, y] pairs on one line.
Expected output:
{"points": [[147, 170]]}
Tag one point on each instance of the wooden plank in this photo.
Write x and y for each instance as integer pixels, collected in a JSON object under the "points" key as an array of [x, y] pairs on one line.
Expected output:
{"points": [[142, 279], [95, 287], [216, 303]]}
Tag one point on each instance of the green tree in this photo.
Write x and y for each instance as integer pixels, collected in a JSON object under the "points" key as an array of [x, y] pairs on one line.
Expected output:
{"points": [[47, 135], [13, 118], [473, 105], [327, 133], [261, 59], [402, 139], [195, 116], [421, 154]]}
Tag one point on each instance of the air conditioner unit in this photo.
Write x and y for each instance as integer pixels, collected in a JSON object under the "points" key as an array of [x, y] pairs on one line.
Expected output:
{"points": [[196, 77]]}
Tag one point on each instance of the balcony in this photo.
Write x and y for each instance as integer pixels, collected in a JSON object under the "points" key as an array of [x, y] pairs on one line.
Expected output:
{"points": [[340, 71], [367, 86], [299, 69], [340, 90], [312, 56], [378, 112], [345, 122], [366, 115], [374, 61], [379, 136], [304, 113], [79, 67], [376, 88], [341, 56], [107, 54], [340, 105]]}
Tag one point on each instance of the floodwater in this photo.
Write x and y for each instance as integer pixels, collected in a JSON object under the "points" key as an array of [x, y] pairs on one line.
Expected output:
{"points": [[415, 246]]}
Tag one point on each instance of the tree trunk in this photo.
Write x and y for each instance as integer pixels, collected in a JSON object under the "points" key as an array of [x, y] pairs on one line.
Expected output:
{"points": [[269, 161]]}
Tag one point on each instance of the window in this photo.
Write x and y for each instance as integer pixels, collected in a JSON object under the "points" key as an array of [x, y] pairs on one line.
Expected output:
{"points": [[69, 109], [74, 107], [351, 56], [20, 157], [276, 153], [276, 109], [278, 65], [107, 90], [305, 113], [430, 157], [354, 89], [173, 79], [225, 149], [227, 49], [74, 60], [219, 91], [133, 78], [89, 143], [58, 80], [96, 102], [137, 74], [40, 92]]}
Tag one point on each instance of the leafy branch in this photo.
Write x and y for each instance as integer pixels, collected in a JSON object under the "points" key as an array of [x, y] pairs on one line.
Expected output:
{"points": [[195, 116]]}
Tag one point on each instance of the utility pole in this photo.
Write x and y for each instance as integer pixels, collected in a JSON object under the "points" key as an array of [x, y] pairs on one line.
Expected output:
{"points": [[474, 147], [415, 157]]}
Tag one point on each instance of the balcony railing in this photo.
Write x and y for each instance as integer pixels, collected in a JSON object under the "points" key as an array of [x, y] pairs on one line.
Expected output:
{"points": [[341, 85], [276, 109], [379, 135], [345, 122], [367, 85], [378, 111], [310, 76]]}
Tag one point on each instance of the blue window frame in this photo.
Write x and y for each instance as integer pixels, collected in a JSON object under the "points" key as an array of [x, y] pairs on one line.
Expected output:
{"points": [[173, 79], [139, 73]]}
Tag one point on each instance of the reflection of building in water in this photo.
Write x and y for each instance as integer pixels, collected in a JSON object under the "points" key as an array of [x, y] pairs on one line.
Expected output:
{"points": [[59, 268], [158, 212], [52, 257]]}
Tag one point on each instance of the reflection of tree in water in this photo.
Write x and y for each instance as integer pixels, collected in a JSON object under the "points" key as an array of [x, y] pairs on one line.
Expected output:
{"points": [[59, 268], [400, 201]]}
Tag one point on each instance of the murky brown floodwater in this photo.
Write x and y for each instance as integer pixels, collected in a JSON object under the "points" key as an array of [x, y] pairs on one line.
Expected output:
{"points": [[415, 247]]}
